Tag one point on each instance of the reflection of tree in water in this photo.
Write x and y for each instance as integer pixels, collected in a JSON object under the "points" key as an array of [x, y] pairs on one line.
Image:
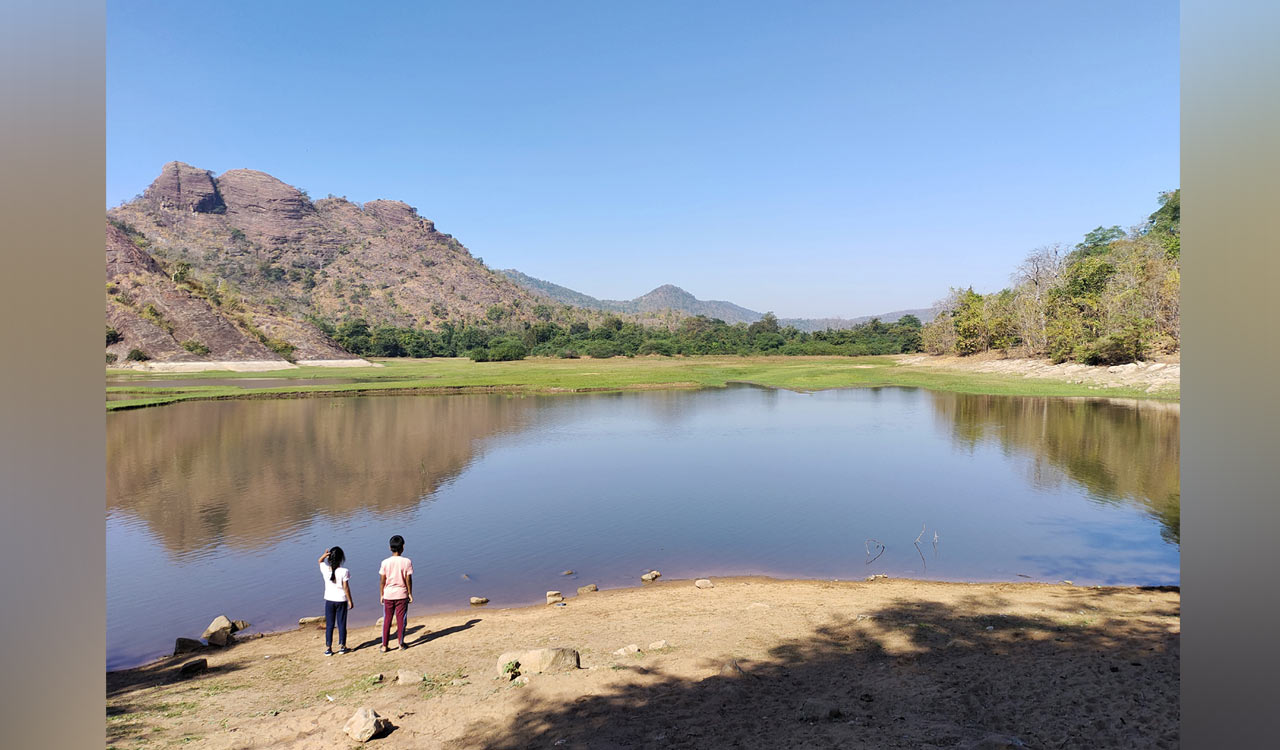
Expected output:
{"points": [[1118, 450], [241, 472]]}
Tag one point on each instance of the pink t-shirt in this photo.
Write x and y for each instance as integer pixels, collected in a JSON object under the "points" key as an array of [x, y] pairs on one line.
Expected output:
{"points": [[396, 568]]}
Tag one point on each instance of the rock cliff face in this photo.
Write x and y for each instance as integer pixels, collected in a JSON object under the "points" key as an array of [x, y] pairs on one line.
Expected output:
{"points": [[261, 257]]}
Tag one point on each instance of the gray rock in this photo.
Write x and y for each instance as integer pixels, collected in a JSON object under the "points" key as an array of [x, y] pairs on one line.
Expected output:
{"points": [[568, 572], [536, 660], [818, 710], [219, 631], [365, 724], [627, 650], [304, 621], [704, 583], [195, 666], [186, 646], [554, 597], [651, 576], [658, 645], [996, 742], [590, 587], [408, 677], [731, 668], [239, 625], [478, 600]]}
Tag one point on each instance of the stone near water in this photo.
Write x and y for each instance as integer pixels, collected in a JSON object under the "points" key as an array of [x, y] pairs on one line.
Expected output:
{"points": [[651, 576], [195, 666], [365, 724], [554, 597], [590, 587], [478, 600], [568, 572], [408, 677], [658, 645], [704, 583], [877, 577], [631, 648], [304, 621], [539, 660], [239, 625], [186, 646], [219, 631]]}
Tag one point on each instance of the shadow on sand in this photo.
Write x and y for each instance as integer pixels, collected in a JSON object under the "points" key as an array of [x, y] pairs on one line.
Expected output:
{"points": [[914, 675]]}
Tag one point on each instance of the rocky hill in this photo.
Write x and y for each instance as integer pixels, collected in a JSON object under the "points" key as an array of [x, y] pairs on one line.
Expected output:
{"points": [[241, 264]]}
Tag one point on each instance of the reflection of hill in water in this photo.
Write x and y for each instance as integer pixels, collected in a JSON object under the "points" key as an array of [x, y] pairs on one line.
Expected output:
{"points": [[241, 472], [1118, 450]]}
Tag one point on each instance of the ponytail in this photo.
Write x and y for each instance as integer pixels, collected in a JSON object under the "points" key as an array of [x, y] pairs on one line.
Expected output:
{"points": [[336, 558]]}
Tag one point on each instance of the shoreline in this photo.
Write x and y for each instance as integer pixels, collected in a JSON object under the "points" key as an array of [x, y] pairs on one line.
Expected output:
{"points": [[917, 648], [801, 374]]}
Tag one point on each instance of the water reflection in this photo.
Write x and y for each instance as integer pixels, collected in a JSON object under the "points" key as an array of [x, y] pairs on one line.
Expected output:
{"points": [[1118, 450], [243, 472]]}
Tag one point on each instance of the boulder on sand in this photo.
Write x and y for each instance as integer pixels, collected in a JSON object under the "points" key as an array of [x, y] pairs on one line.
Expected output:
{"points": [[651, 576], [554, 597], [627, 650], [186, 646], [539, 660], [478, 600], [219, 631], [304, 621], [588, 588], [365, 724], [704, 583], [408, 677], [195, 666]]}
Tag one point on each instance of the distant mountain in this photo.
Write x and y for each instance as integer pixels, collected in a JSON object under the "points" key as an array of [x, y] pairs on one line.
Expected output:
{"points": [[669, 297], [665, 297]]}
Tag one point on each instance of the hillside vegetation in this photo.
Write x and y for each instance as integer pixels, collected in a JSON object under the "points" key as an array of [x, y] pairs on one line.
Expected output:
{"points": [[1112, 299]]}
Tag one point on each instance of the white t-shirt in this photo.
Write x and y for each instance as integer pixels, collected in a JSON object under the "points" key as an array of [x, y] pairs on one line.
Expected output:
{"points": [[333, 589]]}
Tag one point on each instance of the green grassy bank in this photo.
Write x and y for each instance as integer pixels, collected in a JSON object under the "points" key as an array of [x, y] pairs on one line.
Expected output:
{"points": [[540, 375]]}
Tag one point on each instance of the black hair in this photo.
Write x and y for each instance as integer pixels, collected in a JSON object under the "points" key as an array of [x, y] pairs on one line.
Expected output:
{"points": [[336, 559], [397, 544]]}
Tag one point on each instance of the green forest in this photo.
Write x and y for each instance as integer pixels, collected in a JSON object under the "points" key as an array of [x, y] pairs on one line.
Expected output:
{"points": [[1112, 298]]}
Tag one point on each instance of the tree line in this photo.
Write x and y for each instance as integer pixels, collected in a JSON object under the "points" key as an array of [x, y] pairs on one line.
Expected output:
{"points": [[614, 337], [1111, 299]]}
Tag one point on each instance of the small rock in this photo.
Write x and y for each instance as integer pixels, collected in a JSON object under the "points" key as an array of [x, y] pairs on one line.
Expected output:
{"points": [[631, 648], [554, 597], [539, 660], [186, 646], [588, 588], [466, 577], [365, 724], [1069, 583], [478, 600], [731, 668], [651, 576], [876, 577], [408, 677], [239, 625], [568, 572], [658, 645], [195, 666], [521, 681], [816, 710], [304, 621], [991, 627], [375, 679], [704, 583], [219, 631]]}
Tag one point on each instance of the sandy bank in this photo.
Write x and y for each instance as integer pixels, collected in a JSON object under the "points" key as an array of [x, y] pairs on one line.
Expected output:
{"points": [[254, 365], [1154, 376], [889, 663]]}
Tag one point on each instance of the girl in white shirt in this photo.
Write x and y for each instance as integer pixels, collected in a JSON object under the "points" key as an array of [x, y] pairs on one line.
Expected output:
{"points": [[337, 598]]}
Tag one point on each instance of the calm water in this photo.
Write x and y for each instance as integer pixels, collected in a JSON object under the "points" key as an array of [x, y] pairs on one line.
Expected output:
{"points": [[223, 507]]}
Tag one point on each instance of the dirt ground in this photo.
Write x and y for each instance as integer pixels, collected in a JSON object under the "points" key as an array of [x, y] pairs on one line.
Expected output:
{"points": [[1158, 374], [881, 664]]}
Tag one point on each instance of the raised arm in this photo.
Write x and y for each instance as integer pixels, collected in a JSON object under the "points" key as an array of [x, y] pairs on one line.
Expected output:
{"points": [[323, 556]]}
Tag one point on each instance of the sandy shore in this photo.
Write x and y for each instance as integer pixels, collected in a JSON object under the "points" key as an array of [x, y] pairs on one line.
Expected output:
{"points": [[887, 663], [1162, 374]]}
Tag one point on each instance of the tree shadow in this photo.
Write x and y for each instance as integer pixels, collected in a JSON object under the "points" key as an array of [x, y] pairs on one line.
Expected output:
{"points": [[918, 674], [128, 719]]}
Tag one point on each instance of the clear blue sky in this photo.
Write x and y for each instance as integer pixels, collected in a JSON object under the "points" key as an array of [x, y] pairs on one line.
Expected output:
{"points": [[811, 158]]}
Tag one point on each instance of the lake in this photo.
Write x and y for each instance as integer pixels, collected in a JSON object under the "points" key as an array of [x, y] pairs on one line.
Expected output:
{"points": [[223, 507]]}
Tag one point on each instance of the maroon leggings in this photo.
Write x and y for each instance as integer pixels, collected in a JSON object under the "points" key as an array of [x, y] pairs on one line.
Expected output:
{"points": [[400, 607]]}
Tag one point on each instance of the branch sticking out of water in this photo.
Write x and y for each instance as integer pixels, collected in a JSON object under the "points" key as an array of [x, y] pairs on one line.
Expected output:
{"points": [[916, 543], [871, 559]]}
